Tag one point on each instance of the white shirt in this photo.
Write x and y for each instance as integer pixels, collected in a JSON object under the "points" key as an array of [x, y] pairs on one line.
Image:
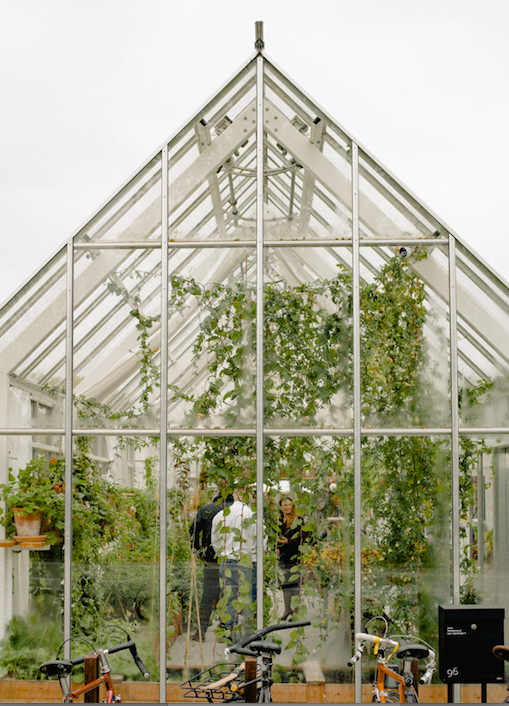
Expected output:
{"points": [[234, 533]]}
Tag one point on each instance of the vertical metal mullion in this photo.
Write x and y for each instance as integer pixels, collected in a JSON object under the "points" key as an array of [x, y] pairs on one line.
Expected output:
{"points": [[481, 499], [259, 338], [455, 481], [68, 419], [356, 410], [163, 444], [455, 492]]}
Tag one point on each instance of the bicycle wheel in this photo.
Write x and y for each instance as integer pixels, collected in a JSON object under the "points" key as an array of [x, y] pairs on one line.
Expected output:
{"points": [[264, 696], [392, 696]]}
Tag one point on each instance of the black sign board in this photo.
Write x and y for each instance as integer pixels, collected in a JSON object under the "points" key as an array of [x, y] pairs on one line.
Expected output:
{"points": [[466, 637]]}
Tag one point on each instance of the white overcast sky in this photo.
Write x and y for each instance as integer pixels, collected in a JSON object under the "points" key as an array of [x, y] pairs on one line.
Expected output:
{"points": [[90, 88]]}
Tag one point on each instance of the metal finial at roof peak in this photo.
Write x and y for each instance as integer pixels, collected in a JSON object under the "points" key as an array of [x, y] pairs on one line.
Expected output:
{"points": [[259, 43]]}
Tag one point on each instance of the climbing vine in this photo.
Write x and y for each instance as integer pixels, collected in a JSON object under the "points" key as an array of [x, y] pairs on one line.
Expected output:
{"points": [[308, 366], [308, 382]]}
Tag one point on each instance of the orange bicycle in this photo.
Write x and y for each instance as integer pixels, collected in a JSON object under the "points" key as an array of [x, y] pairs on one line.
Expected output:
{"points": [[62, 669], [502, 652], [391, 686]]}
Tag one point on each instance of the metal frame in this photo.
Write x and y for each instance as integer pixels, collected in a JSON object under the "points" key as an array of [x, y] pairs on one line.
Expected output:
{"points": [[68, 414], [163, 441], [184, 193], [259, 334], [357, 451]]}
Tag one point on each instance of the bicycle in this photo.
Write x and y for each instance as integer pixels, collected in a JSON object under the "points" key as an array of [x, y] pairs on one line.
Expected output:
{"points": [[62, 669], [233, 686], [389, 685], [502, 652]]}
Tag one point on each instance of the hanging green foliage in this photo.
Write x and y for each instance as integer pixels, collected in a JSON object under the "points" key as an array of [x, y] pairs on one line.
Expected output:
{"points": [[308, 377]]}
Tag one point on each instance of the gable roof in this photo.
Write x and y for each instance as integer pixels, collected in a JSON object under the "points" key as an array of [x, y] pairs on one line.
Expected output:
{"points": [[212, 222]]}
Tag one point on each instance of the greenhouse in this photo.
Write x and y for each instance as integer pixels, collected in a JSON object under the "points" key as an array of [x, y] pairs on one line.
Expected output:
{"points": [[261, 311]]}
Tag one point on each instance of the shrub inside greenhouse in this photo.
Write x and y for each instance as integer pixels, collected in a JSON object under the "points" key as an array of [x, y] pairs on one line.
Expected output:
{"points": [[261, 315]]}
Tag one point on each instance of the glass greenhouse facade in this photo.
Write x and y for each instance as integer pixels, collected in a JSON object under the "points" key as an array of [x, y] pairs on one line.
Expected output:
{"points": [[262, 305]]}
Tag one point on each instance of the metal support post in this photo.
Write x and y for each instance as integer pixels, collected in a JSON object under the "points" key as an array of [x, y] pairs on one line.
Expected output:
{"points": [[455, 491], [455, 482], [68, 419], [357, 543], [163, 443], [259, 339]]}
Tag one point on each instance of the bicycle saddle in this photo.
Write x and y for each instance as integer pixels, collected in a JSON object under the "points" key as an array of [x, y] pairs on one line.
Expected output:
{"points": [[57, 667], [501, 651], [414, 651], [265, 646]]}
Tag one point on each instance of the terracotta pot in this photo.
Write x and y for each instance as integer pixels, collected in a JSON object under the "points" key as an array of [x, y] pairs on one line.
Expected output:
{"points": [[27, 525]]}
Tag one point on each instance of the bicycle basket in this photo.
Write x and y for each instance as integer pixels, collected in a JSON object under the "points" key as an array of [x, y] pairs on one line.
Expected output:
{"points": [[217, 683]]}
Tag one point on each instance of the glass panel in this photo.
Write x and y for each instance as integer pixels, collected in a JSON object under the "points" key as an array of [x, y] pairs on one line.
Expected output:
{"points": [[386, 210], [116, 549], [117, 338], [308, 337], [308, 576], [234, 97], [405, 536], [31, 556], [204, 472], [404, 339], [211, 338], [484, 520], [308, 184], [313, 478], [483, 327], [32, 351], [212, 175], [134, 214]]}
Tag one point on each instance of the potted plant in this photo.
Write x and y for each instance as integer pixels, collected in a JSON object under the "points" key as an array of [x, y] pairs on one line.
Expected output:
{"points": [[33, 501]]}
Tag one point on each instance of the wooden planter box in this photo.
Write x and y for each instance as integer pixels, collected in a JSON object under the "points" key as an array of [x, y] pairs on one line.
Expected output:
{"points": [[24, 691]]}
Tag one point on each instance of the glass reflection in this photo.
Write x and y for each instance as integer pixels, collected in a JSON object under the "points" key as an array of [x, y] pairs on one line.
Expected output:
{"points": [[115, 548], [32, 350], [117, 338], [211, 338], [482, 345], [31, 555], [404, 342], [306, 557], [405, 533], [308, 338], [484, 470]]}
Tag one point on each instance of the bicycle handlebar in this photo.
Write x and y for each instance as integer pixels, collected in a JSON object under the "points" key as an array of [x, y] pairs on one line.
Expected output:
{"points": [[238, 647], [356, 657], [385, 643], [430, 669], [131, 646], [363, 637]]}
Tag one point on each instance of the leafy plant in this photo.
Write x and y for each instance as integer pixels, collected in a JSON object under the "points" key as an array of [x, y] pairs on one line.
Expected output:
{"points": [[28, 643], [308, 368], [37, 487]]}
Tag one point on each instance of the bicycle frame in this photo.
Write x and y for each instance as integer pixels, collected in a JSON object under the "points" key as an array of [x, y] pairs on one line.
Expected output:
{"points": [[230, 687], [62, 669], [382, 691], [383, 648], [502, 652], [105, 678]]}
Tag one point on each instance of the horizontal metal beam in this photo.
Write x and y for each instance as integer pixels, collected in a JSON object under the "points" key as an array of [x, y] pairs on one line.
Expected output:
{"points": [[367, 432], [322, 242]]}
